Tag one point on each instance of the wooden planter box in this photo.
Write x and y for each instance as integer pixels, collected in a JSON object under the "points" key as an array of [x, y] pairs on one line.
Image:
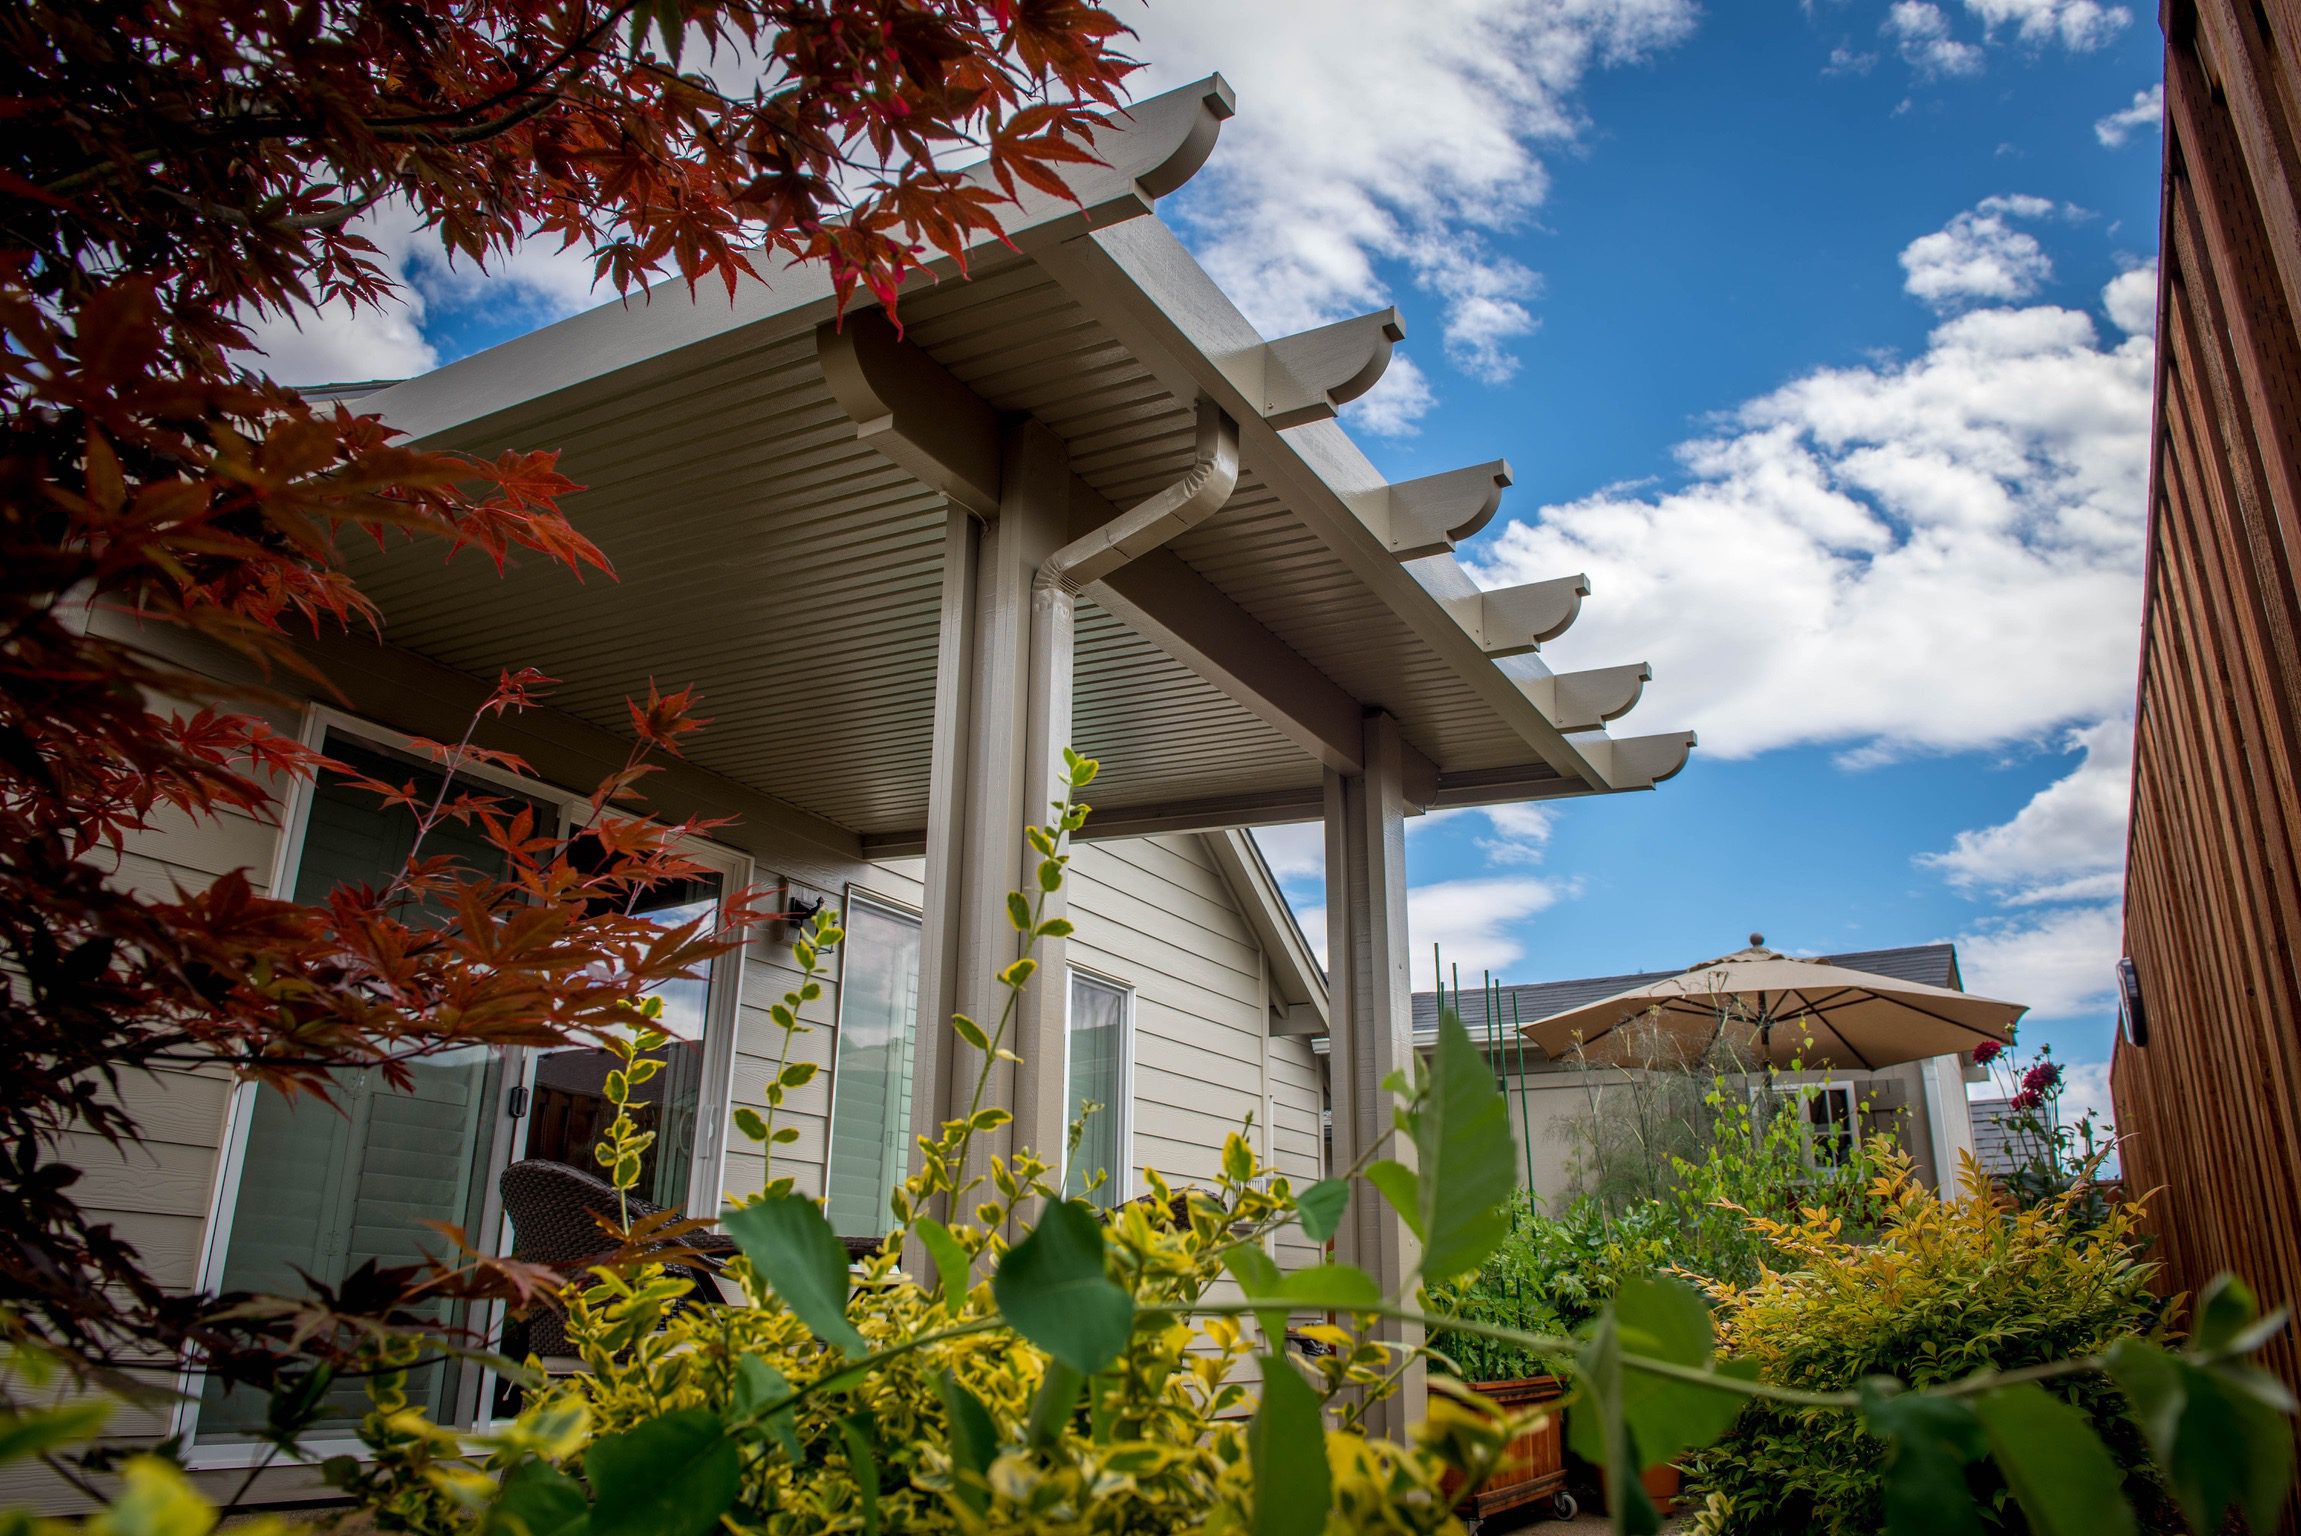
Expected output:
{"points": [[1533, 1465]]}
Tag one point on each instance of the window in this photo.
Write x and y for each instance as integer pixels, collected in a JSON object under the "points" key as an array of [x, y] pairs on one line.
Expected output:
{"points": [[1098, 1051], [1829, 1116], [871, 1081], [1834, 1122]]}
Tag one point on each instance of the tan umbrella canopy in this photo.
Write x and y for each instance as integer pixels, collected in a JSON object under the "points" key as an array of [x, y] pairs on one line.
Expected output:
{"points": [[1771, 1010]]}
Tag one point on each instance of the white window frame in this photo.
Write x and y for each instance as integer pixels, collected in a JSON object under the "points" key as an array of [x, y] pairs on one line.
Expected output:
{"points": [[890, 906], [1850, 1095], [1799, 1095], [714, 1099], [1122, 1178]]}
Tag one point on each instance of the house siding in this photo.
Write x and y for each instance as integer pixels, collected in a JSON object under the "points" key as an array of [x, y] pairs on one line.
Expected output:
{"points": [[2208, 1104]]}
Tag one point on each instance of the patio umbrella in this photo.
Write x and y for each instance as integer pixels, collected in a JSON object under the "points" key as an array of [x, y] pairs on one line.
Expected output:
{"points": [[1772, 1010]]}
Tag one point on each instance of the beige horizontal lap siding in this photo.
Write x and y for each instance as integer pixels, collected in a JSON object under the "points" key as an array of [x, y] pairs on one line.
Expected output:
{"points": [[155, 1194], [1155, 914], [769, 972], [1297, 1133]]}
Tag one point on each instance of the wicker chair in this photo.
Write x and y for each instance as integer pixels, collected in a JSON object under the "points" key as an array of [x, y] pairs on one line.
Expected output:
{"points": [[555, 1216]]}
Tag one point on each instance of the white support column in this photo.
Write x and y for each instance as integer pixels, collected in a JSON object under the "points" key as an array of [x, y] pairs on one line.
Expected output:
{"points": [[985, 789], [1371, 1007], [939, 1061]]}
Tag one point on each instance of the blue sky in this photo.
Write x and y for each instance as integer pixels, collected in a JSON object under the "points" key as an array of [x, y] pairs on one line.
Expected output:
{"points": [[1817, 334]]}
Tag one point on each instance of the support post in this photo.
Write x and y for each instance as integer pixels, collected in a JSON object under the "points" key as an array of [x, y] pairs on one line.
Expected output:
{"points": [[986, 787], [1372, 1016]]}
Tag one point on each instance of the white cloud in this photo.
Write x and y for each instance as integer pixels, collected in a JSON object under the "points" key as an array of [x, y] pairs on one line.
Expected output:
{"points": [[2082, 25], [2085, 1090], [537, 283], [335, 344], [1979, 256], [2130, 300], [1374, 137], [1922, 34], [1395, 406], [2147, 111], [1474, 923], [1518, 833], [2067, 843], [1931, 555], [1295, 852], [2061, 963]]}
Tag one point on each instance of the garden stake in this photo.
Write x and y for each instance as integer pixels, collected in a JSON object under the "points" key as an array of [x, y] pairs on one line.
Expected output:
{"points": [[1525, 1110]]}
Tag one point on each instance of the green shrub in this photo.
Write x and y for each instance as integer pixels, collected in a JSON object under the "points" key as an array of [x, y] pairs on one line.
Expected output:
{"points": [[1550, 1275], [1948, 1287]]}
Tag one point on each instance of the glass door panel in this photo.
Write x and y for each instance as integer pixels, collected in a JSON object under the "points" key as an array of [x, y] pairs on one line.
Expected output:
{"points": [[568, 1110], [328, 1187], [871, 1108]]}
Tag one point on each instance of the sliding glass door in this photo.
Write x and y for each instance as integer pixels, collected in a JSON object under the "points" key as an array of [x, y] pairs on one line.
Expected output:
{"points": [[368, 1175], [327, 1186]]}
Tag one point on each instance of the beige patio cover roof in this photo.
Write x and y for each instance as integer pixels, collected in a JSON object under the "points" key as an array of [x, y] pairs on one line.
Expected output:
{"points": [[773, 489], [1775, 1010]]}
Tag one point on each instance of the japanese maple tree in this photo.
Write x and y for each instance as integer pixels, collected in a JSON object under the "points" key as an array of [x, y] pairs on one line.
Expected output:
{"points": [[173, 171]]}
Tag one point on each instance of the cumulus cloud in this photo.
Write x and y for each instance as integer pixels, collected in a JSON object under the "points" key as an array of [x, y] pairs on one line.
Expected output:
{"points": [[1376, 138], [2081, 25], [2130, 300], [2067, 843], [2061, 963], [1395, 406], [538, 282], [2147, 111], [1518, 833], [1295, 852], [336, 344], [1922, 36], [1979, 256], [1937, 554], [1474, 923]]}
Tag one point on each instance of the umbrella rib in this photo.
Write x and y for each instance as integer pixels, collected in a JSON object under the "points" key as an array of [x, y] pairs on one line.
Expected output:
{"points": [[1944, 1018]]}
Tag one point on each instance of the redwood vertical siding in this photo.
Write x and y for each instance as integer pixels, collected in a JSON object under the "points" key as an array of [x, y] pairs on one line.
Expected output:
{"points": [[2212, 1102]]}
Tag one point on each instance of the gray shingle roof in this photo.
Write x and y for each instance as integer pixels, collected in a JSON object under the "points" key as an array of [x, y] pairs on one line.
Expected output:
{"points": [[1932, 964]]}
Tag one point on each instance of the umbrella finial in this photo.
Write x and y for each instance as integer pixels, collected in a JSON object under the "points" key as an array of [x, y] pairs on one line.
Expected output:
{"points": [[1757, 941]]}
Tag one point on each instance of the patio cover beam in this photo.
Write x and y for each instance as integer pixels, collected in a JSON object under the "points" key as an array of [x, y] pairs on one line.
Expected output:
{"points": [[912, 409]]}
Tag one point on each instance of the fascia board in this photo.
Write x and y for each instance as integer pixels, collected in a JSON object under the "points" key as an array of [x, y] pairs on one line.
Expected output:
{"points": [[1155, 147]]}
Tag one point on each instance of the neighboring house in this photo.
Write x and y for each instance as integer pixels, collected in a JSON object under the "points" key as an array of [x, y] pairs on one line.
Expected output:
{"points": [[1922, 1101], [2206, 1072], [896, 570], [1993, 1135]]}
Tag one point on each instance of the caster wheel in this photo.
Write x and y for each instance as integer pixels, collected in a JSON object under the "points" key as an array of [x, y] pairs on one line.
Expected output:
{"points": [[1564, 1506]]}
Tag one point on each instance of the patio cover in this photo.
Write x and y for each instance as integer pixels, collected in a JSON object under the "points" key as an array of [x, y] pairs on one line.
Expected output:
{"points": [[850, 538], [779, 534]]}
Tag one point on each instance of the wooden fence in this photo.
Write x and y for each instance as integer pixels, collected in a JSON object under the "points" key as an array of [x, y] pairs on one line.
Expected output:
{"points": [[2211, 1093]]}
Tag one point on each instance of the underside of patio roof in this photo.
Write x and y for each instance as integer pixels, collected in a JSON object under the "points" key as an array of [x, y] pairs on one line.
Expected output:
{"points": [[773, 484]]}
